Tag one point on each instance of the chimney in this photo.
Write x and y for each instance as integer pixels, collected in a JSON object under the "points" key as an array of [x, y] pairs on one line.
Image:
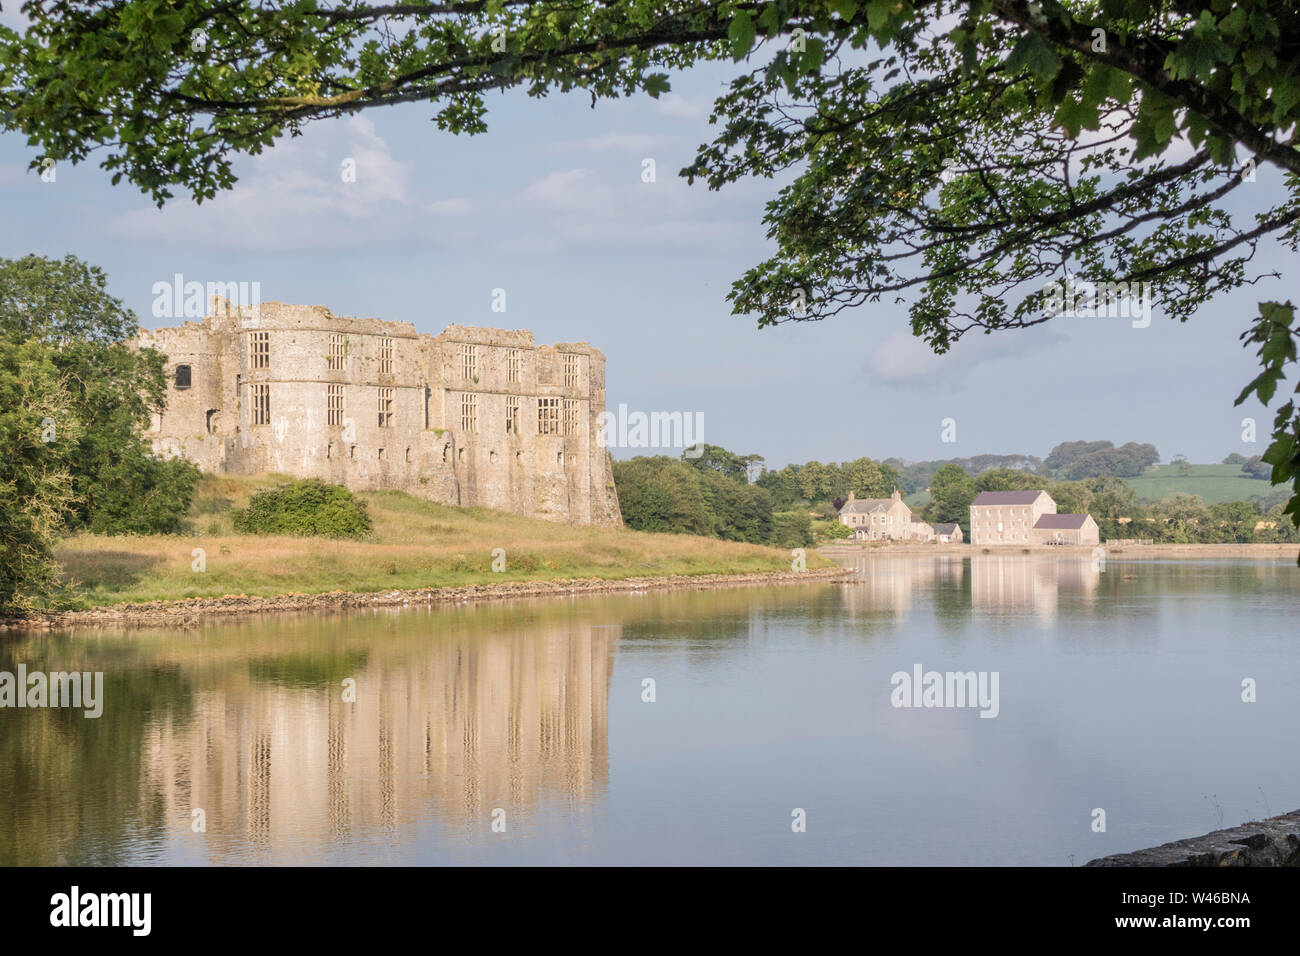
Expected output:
{"points": [[897, 496], [850, 496]]}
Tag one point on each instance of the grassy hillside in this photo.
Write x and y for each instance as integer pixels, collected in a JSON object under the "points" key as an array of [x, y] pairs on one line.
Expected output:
{"points": [[415, 544], [1214, 483]]}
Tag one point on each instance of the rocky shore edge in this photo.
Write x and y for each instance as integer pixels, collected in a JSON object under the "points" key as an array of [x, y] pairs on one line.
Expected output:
{"points": [[196, 610], [1271, 842]]}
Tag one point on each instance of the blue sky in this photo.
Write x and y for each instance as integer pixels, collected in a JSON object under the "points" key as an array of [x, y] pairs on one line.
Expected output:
{"points": [[550, 206]]}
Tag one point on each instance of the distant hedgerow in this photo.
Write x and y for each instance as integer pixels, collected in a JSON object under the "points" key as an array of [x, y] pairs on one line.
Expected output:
{"points": [[308, 507]]}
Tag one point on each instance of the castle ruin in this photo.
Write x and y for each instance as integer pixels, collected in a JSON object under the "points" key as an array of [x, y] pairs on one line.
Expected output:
{"points": [[473, 416]]}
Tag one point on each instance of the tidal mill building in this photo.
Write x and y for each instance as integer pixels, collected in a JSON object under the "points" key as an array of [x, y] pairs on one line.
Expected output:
{"points": [[473, 416]]}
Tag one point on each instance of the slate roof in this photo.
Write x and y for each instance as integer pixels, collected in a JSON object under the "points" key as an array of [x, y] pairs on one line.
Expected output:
{"points": [[1006, 498], [947, 528], [1061, 522], [864, 506]]}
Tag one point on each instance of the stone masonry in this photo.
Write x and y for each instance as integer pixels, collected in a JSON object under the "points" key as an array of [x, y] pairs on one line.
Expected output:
{"points": [[473, 416]]}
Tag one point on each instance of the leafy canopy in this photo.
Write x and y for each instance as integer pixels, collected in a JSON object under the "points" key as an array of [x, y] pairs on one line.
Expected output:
{"points": [[956, 155], [967, 152], [118, 486]]}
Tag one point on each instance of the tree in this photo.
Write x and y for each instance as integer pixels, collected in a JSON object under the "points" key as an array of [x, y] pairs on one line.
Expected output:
{"points": [[890, 478], [818, 481], [35, 488], [951, 494], [1278, 527], [791, 529], [662, 494], [1108, 500], [1276, 334], [715, 458], [1094, 459], [1256, 467], [1234, 521], [977, 158], [1006, 479], [782, 485], [1183, 517], [1067, 453], [741, 511], [117, 484], [866, 479]]}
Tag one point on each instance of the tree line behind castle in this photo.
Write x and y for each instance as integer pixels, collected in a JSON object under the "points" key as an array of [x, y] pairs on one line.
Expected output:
{"points": [[75, 401], [735, 497]]}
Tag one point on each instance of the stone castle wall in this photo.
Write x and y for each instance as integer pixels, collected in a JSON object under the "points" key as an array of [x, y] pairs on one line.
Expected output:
{"points": [[473, 416]]}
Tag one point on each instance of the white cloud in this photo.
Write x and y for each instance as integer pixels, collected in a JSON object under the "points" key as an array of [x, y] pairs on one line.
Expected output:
{"points": [[676, 106], [296, 196], [586, 206], [903, 359]]}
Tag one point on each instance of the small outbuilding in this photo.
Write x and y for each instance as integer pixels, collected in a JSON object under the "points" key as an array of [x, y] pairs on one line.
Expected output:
{"points": [[1066, 529], [948, 533]]}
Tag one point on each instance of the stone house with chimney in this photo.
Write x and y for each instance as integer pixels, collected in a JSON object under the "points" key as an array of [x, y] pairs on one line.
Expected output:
{"points": [[882, 519], [470, 417]]}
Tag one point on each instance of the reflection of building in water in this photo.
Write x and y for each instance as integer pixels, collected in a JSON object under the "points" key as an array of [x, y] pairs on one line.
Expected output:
{"points": [[886, 583], [1027, 583], [475, 723]]}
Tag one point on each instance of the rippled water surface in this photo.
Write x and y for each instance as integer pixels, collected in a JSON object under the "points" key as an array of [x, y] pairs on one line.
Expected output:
{"points": [[1119, 688]]}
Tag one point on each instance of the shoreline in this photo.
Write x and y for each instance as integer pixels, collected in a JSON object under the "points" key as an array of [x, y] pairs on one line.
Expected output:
{"points": [[1121, 552], [191, 611]]}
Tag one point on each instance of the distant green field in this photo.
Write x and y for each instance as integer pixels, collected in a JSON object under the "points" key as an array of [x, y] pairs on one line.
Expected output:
{"points": [[1213, 483]]}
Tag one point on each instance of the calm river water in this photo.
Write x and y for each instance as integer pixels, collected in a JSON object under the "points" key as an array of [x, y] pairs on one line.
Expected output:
{"points": [[524, 732]]}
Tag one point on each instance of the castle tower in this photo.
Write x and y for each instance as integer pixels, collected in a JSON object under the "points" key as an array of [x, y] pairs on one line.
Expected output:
{"points": [[473, 416]]}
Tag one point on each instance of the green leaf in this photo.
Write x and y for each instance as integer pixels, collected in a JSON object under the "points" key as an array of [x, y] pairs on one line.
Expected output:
{"points": [[656, 84], [1035, 54], [1075, 116], [741, 32], [771, 20], [845, 8], [878, 15]]}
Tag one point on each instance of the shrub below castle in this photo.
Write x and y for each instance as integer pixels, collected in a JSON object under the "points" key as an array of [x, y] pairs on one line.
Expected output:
{"points": [[307, 507]]}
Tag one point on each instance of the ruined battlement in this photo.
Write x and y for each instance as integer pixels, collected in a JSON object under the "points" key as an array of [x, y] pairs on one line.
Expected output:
{"points": [[517, 338], [472, 416]]}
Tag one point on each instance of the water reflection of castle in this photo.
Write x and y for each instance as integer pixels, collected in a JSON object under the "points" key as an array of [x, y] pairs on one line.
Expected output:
{"points": [[890, 584], [477, 722]]}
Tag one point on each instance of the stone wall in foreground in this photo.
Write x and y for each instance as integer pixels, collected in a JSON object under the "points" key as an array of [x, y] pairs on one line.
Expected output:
{"points": [[1273, 842]]}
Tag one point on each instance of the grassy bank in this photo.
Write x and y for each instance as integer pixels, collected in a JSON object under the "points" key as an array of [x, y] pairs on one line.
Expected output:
{"points": [[415, 544], [1212, 483]]}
